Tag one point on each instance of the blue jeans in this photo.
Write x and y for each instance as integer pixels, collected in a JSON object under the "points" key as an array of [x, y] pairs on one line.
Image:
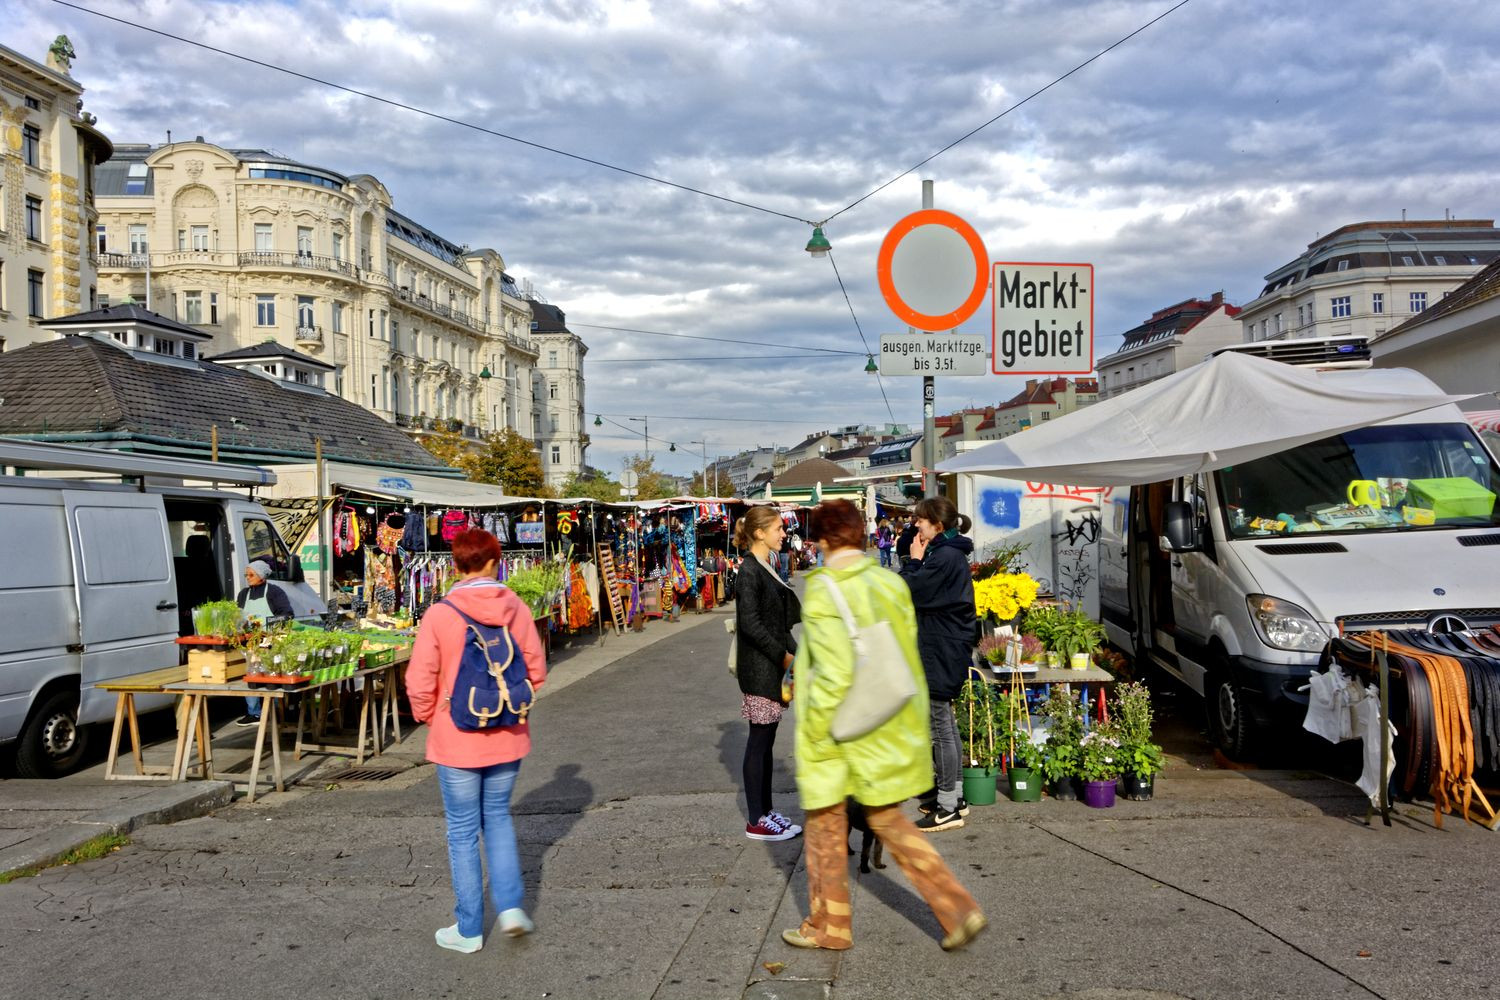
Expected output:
{"points": [[885, 558], [945, 753], [477, 802], [252, 706]]}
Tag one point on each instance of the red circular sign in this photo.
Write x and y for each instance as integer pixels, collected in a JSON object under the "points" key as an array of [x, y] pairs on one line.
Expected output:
{"points": [[928, 321]]}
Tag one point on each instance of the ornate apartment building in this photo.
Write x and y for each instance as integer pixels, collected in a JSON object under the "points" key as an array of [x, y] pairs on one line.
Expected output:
{"points": [[250, 246], [559, 428], [48, 151]]}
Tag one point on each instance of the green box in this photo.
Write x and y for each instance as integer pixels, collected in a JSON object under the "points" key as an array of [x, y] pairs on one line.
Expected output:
{"points": [[1454, 496]]}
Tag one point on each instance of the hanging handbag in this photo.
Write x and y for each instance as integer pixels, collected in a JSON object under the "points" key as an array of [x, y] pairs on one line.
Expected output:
{"points": [[883, 681]]}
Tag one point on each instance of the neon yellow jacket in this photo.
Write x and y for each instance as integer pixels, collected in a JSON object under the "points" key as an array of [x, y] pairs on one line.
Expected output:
{"points": [[894, 761]]}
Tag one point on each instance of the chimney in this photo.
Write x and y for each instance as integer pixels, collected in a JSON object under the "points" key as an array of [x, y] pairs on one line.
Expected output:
{"points": [[1030, 384], [1217, 299]]}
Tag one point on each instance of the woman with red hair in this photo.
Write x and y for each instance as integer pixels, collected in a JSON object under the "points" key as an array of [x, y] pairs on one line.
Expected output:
{"points": [[476, 770]]}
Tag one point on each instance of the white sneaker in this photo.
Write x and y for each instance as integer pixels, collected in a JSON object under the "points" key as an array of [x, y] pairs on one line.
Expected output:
{"points": [[450, 938], [791, 829], [515, 923]]}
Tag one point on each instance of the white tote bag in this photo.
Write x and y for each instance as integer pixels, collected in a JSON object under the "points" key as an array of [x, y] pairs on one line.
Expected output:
{"points": [[734, 650], [883, 681]]}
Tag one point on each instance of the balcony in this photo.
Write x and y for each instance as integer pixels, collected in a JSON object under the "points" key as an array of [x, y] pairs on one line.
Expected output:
{"points": [[123, 261], [301, 261], [312, 335], [405, 294]]}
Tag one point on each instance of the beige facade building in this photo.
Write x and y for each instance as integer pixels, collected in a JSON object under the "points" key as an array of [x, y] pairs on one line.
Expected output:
{"points": [[559, 428], [1041, 401], [48, 150], [1176, 337], [1367, 278], [250, 246]]}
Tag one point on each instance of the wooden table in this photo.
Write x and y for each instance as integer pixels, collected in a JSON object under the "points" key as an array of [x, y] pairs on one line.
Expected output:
{"points": [[125, 689], [1049, 675], [196, 719], [375, 712]]}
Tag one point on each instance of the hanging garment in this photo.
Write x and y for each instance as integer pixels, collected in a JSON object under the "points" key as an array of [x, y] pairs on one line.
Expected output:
{"points": [[388, 535], [591, 581], [414, 534]]}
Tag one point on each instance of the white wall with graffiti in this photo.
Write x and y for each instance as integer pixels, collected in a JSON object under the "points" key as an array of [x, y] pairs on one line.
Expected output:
{"points": [[1059, 525]]}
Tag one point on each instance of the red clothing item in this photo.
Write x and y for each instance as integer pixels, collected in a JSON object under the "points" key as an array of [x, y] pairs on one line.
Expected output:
{"points": [[434, 665]]}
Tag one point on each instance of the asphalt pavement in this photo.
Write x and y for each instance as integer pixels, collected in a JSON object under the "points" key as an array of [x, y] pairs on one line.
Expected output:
{"points": [[1230, 883]]}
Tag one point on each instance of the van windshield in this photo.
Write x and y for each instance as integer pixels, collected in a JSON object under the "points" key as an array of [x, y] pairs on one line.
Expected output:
{"points": [[1404, 477]]}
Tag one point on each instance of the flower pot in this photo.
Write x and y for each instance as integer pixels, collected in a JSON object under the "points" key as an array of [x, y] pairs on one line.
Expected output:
{"points": [[1063, 789], [1054, 660], [1099, 794], [1025, 785], [1136, 788], [1079, 661], [979, 785]]}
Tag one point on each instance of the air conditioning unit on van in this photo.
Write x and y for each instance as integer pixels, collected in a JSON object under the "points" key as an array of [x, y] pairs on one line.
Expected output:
{"points": [[1313, 352]]}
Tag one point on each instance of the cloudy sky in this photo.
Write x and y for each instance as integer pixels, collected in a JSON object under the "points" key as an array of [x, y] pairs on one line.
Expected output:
{"points": [[1197, 156]]}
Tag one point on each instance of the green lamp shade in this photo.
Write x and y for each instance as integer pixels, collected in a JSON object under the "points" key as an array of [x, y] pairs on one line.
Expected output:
{"points": [[818, 246], [870, 366], [485, 372], [598, 422]]}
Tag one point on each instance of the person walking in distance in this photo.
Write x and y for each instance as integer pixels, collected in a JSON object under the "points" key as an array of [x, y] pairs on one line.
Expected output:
{"points": [[903, 542], [476, 769], [942, 590], [880, 769], [884, 540], [765, 609]]}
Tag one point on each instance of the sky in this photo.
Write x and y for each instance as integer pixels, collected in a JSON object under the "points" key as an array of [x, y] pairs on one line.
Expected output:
{"points": [[1195, 157]]}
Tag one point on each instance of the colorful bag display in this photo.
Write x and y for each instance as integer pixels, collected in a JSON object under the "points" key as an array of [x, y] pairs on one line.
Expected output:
{"points": [[455, 522]]}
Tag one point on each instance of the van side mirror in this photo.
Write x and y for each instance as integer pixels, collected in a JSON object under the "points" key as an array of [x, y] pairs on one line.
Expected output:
{"points": [[1181, 527], [296, 575]]}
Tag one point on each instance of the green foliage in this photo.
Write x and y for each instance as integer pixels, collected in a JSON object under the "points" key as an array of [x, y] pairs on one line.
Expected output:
{"points": [[1043, 621], [1013, 732], [1000, 557], [1076, 632], [217, 619], [538, 585], [597, 486], [1132, 718], [980, 740], [1100, 757], [502, 458], [1062, 753], [90, 850]]}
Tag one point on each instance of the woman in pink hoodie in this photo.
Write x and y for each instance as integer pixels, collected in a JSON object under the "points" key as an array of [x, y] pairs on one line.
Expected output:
{"points": [[476, 770]]}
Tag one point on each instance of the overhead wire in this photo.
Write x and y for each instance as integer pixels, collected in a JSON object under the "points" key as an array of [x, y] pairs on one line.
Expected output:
{"points": [[708, 357], [717, 340], [878, 379]]}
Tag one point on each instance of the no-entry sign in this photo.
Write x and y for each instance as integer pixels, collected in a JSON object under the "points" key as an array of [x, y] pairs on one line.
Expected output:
{"points": [[1044, 319], [933, 270]]}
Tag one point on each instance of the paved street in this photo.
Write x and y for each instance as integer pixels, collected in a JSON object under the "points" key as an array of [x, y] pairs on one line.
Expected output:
{"points": [[1230, 884]]}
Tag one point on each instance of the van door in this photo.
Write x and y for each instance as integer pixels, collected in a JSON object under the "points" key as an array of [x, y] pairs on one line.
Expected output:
{"points": [[1114, 567], [258, 539], [122, 581], [38, 619], [1192, 572]]}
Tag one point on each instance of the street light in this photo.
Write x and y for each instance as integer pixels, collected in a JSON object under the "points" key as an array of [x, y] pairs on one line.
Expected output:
{"points": [[703, 450], [646, 432], [818, 246]]}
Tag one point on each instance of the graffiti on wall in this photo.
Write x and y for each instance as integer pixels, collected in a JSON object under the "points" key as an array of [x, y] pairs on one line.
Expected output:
{"points": [[1000, 508]]}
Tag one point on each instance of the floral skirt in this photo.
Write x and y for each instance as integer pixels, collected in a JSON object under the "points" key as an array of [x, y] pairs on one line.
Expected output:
{"points": [[761, 711]]}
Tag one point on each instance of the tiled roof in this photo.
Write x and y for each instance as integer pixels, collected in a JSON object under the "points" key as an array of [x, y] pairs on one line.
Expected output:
{"points": [[81, 385], [1482, 286], [810, 473], [271, 349], [125, 313]]}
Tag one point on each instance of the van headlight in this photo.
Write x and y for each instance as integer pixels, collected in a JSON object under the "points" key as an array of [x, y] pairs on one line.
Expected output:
{"points": [[1283, 625]]}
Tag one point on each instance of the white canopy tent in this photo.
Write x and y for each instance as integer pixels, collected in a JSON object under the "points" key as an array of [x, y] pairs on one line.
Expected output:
{"points": [[1231, 409]]}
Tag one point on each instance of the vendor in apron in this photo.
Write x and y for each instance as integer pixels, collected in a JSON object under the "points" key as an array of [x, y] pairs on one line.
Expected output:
{"points": [[261, 599]]}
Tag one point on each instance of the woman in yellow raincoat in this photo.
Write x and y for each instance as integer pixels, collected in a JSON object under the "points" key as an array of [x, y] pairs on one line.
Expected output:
{"points": [[880, 769]]}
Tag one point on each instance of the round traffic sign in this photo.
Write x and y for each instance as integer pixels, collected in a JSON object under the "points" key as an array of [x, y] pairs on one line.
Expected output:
{"points": [[933, 270]]}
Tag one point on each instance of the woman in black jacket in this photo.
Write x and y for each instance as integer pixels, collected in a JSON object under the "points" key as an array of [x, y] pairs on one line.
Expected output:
{"points": [[942, 591], [765, 609]]}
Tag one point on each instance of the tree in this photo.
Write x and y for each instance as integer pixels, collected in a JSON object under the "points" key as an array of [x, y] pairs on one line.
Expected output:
{"points": [[503, 458], [599, 487], [653, 484]]}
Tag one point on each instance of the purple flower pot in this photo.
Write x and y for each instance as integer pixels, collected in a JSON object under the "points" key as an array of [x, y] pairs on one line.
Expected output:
{"points": [[1099, 794]]}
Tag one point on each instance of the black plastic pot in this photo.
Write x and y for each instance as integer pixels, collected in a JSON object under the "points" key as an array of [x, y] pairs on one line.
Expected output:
{"points": [[1063, 789], [1136, 788]]}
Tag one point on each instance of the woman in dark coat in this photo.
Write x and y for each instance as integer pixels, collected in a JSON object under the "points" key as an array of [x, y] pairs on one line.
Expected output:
{"points": [[765, 610], [942, 591]]}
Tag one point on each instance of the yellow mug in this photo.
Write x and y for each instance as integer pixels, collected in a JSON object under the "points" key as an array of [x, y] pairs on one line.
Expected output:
{"points": [[1365, 493]]}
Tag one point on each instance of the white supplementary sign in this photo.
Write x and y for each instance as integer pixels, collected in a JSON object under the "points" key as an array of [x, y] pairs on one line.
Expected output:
{"points": [[1044, 318], [933, 354]]}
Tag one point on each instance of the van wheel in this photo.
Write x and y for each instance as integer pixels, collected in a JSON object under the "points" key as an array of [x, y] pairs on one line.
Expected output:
{"points": [[1230, 723], [52, 743]]}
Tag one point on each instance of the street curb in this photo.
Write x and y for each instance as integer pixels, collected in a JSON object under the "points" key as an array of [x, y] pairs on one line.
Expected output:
{"points": [[167, 804]]}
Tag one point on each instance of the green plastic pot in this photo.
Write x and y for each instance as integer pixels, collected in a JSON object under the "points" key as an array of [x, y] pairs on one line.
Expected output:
{"points": [[1025, 785], [979, 785]]}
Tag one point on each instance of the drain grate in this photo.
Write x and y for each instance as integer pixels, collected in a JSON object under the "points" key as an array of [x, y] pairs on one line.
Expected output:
{"points": [[366, 774]]}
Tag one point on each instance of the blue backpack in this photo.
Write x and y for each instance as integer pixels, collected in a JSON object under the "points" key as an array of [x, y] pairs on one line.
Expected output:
{"points": [[492, 689]]}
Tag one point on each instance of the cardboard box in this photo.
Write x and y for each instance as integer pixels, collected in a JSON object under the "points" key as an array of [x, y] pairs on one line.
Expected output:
{"points": [[1454, 496], [215, 666]]}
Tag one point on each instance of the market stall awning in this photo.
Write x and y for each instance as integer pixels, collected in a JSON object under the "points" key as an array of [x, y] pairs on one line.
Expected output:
{"points": [[1484, 420], [406, 487], [1231, 409]]}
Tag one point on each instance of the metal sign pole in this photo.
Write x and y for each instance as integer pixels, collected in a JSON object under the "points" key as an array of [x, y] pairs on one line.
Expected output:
{"points": [[929, 401]]}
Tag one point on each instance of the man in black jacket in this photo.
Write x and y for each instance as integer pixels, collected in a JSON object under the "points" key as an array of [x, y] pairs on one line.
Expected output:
{"points": [[942, 591], [903, 542]]}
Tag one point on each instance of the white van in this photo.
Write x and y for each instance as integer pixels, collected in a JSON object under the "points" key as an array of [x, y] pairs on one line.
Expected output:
{"points": [[100, 579], [1233, 580]]}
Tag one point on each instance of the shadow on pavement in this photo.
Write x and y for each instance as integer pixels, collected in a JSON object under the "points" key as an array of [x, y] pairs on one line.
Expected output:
{"points": [[554, 809]]}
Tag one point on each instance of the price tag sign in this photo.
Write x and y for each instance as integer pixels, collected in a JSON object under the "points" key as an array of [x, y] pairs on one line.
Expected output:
{"points": [[933, 354]]}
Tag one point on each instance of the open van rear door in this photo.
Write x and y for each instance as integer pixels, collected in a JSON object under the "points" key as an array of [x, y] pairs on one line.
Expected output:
{"points": [[122, 579]]}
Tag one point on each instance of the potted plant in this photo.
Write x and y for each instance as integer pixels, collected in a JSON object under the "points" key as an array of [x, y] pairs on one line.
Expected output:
{"points": [[1025, 757], [1043, 621], [1099, 764], [1061, 752], [1077, 637], [1141, 758], [979, 743], [1000, 598]]}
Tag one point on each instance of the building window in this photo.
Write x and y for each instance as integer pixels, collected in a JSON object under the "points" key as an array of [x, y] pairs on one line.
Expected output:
{"points": [[33, 103], [34, 218], [35, 284], [137, 239], [1278, 323], [200, 238], [1300, 319], [101, 237], [1046, 415], [265, 310], [182, 239], [552, 422], [1418, 301], [1263, 329], [336, 317], [1340, 306], [551, 359], [305, 311], [1343, 265], [263, 237], [1406, 261], [31, 145], [551, 390], [1377, 302], [304, 241], [1439, 259], [213, 308], [192, 307], [338, 246]]}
